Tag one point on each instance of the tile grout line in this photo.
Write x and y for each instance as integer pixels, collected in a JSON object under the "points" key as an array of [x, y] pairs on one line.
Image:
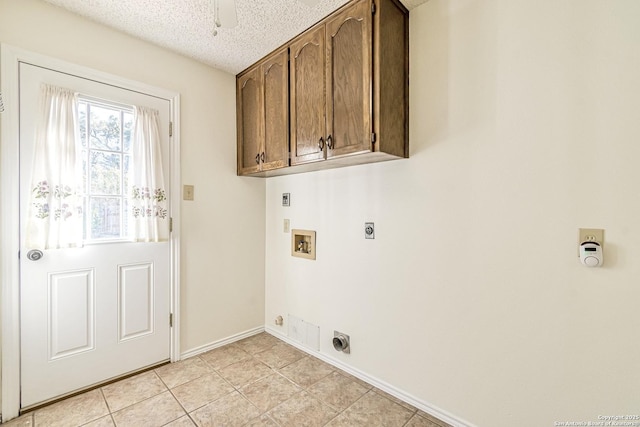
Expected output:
{"points": [[239, 389], [106, 402], [236, 389], [277, 370], [314, 396], [347, 408], [215, 371], [181, 405], [167, 389], [112, 412], [274, 371]]}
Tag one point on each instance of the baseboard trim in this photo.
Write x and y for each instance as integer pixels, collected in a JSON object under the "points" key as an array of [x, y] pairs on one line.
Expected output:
{"points": [[233, 338], [382, 385]]}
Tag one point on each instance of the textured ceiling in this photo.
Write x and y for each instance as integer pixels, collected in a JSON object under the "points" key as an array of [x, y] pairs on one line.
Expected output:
{"points": [[186, 26]]}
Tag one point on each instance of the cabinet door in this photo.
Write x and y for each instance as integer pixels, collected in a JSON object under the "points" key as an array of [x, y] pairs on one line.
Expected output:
{"points": [[307, 74], [250, 121], [349, 81], [276, 109]]}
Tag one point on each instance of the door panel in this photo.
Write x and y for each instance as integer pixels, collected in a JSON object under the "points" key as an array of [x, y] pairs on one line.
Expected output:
{"points": [[349, 81], [307, 65], [135, 302], [91, 314], [71, 316]]}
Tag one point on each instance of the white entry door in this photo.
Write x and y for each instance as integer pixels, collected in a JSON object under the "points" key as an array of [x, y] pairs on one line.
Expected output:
{"points": [[94, 313]]}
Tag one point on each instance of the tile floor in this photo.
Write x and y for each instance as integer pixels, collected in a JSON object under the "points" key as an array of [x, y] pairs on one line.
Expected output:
{"points": [[259, 381]]}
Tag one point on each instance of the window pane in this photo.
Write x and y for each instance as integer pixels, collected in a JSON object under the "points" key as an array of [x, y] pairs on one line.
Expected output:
{"points": [[105, 173], [82, 119], [104, 128], [125, 219], [105, 217], [105, 132], [126, 174], [83, 153], [126, 134]]}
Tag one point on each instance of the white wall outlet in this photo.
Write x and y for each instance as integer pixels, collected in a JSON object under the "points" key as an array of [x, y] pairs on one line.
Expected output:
{"points": [[369, 230], [595, 235], [591, 235], [286, 226]]}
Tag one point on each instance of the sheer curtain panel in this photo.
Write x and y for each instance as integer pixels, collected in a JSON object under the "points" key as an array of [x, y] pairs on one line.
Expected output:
{"points": [[148, 219], [55, 218]]}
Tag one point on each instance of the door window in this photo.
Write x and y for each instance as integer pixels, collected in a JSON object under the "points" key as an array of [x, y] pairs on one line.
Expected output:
{"points": [[105, 133]]}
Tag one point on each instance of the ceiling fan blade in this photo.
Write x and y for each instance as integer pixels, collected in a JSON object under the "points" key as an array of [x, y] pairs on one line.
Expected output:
{"points": [[310, 3], [228, 15]]}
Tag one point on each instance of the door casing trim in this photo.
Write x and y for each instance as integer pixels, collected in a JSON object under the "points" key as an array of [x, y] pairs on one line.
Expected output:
{"points": [[10, 58]]}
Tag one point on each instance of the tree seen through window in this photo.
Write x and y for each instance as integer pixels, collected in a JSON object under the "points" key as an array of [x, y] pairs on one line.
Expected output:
{"points": [[105, 133]]}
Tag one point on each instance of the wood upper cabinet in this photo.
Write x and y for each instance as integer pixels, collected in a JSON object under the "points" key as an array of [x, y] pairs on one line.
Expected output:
{"points": [[262, 115], [307, 97], [347, 96], [330, 72], [348, 66], [275, 72], [391, 79], [250, 121]]}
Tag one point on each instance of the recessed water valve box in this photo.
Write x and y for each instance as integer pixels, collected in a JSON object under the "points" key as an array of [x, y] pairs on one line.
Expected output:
{"points": [[303, 244]]}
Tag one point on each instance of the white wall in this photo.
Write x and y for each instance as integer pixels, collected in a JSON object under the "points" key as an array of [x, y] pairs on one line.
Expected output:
{"points": [[223, 229], [525, 126]]}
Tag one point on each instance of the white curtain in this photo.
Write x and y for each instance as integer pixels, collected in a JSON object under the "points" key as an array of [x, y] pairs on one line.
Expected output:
{"points": [[55, 217], [148, 218]]}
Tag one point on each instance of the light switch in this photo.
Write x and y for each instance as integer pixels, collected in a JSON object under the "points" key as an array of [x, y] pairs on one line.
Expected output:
{"points": [[187, 192], [285, 227]]}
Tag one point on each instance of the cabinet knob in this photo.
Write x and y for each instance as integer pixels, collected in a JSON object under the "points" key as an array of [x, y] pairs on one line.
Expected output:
{"points": [[321, 144], [330, 142]]}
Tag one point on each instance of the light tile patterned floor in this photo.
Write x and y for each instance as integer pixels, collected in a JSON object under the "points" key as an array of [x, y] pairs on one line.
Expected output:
{"points": [[259, 381]]}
